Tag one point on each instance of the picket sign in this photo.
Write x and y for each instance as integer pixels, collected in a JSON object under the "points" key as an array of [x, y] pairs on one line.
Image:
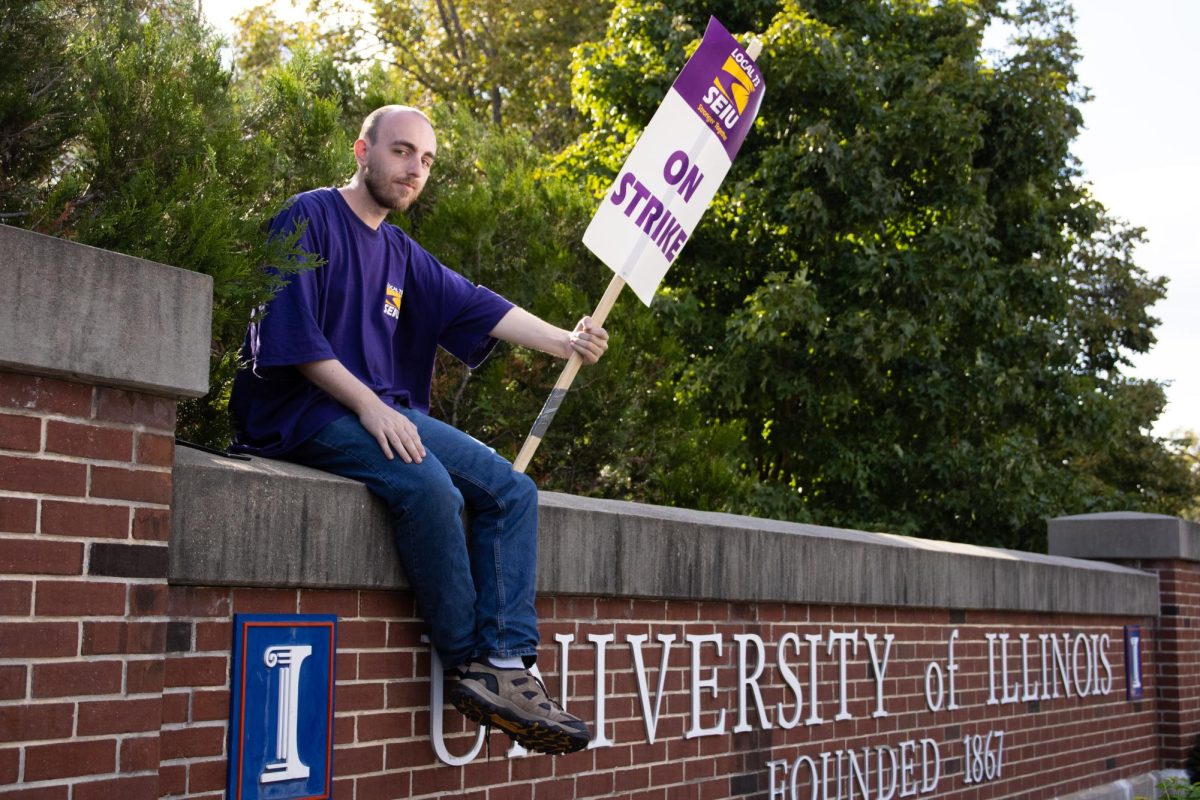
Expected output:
{"points": [[666, 183]]}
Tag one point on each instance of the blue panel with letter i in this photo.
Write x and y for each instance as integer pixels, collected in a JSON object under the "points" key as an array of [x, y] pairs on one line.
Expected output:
{"points": [[281, 707], [1133, 662]]}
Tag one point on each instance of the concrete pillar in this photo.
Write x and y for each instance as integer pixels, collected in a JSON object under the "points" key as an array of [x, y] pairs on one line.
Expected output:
{"points": [[95, 350], [1170, 548]]}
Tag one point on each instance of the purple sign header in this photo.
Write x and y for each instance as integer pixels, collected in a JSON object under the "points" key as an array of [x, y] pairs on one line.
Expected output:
{"points": [[723, 85]]}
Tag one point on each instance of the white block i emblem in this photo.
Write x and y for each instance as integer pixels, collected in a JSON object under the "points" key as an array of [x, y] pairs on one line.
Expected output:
{"points": [[287, 765]]}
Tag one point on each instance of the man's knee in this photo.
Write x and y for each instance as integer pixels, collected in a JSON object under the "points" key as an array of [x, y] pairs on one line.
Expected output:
{"points": [[434, 496]]}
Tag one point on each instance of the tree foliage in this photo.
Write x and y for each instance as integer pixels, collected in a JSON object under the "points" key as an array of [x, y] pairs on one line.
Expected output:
{"points": [[155, 154], [905, 290], [503, 61]]}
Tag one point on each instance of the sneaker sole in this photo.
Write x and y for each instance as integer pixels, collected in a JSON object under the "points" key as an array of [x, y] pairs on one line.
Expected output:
{"points": [[529, 735]]}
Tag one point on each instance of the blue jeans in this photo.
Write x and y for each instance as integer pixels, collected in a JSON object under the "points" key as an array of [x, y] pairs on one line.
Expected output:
{"points": [[477, 592]]}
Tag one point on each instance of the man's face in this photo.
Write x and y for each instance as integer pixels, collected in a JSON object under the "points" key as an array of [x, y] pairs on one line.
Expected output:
{"points": [[396, 166]]}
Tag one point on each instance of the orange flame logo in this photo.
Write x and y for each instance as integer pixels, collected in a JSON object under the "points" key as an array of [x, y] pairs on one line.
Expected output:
{"points": [[740, 86]]}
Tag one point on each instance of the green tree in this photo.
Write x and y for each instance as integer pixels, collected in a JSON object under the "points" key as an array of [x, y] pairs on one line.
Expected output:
{"points": [[506, 62], [156, 155], [37, 96], [904, 290]]}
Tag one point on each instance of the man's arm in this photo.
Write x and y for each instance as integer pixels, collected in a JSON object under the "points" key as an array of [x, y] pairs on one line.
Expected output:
{"points": [[390, 428], [520, 327], [393, 431]]}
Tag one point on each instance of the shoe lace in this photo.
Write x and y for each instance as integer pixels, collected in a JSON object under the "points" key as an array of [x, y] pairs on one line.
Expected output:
{"points": [[546, 692]]}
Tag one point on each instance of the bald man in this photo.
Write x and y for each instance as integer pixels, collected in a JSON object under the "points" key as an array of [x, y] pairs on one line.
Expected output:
{"points": [[338, 375]]}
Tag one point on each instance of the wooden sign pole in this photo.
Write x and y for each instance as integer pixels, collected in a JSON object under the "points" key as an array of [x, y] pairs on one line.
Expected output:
{"points": [[564, 380]]}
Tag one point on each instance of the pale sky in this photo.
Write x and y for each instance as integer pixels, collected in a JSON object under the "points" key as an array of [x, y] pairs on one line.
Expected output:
{"points": [[1138, 151]]}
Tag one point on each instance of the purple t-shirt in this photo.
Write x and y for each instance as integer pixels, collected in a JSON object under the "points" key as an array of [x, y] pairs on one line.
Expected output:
{"points": [[380, 304]]}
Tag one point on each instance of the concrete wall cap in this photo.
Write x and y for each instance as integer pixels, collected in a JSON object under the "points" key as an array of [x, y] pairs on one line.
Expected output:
{"points": [[269, 523], [95, 316], [1125, 535]]}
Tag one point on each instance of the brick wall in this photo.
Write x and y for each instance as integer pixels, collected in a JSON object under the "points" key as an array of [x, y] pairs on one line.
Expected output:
{"points": [[1051, 746], [1177, 635], [85, 492]]}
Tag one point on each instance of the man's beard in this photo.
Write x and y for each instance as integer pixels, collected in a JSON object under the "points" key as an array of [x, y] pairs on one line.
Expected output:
{"points": [[385, 193]]}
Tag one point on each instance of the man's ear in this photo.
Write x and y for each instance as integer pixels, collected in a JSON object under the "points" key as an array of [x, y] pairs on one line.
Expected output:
{"points": [[360, 151]]}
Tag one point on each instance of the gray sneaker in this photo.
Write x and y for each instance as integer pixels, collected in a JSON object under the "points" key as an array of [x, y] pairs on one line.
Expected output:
{"points": [[516, 702]]}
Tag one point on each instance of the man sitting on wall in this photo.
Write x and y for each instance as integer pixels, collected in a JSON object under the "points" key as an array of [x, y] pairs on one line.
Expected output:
{"points": [[338, 376]]}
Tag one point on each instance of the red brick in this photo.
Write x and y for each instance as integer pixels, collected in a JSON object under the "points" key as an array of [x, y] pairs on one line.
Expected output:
{"points": [[360, 759], [135, 787], [264, 601], [108, 638], [76, 678], [36, 557], [197, 671], [361, 634], [82, 598], [119, 716], [193, 742], [388, 605], [69, 759], [175, 708], [139, 754], [214, 635], [153, 524], [16, 598], [30, 722], [18, 515], [117, 405], [10, 765], [89, 441], [194, 601], [210, 706], [12, 681], [208, 776], [156, 449], [172, 779], [139, 485], [39, 639], [144, 677], [45, 394], [343, 604], [385, 664], [62, 518], [149, 599], [20, 433], [387, 725], [389, 786], [44, 793], [359, 697], [42, 476]]}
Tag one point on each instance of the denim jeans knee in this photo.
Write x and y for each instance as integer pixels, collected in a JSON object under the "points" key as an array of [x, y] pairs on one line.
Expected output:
{"points": [[476, 592]]}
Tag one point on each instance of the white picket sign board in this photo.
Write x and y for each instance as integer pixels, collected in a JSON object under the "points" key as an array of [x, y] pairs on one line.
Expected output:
{"points": [[678, 163]]}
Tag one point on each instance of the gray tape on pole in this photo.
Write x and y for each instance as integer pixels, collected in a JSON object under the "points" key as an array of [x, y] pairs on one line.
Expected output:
{"points": [[548, 411]]}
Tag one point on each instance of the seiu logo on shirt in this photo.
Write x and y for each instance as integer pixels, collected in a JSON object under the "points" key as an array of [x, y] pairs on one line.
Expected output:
{"points": [[391, 306]]}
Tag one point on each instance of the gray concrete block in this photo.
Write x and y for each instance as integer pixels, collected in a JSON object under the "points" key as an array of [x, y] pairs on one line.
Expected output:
{"points": [[82, 313], [268, 523], [1144, 786], [1125, 535], [630, 549]]}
